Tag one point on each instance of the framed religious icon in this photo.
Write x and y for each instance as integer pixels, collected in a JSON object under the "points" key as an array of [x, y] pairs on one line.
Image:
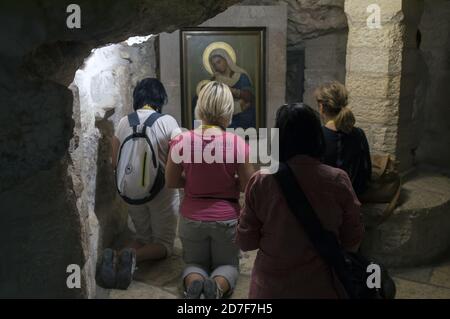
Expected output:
{"points": [[234, 56]]}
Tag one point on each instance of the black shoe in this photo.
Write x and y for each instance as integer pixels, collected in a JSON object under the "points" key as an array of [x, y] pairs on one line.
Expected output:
{"points": [[194, 291], [211, 289], [106, 270], [126, 264]]}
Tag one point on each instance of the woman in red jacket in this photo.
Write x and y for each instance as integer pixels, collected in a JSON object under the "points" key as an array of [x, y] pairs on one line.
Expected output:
{"points": [[287, 264]]}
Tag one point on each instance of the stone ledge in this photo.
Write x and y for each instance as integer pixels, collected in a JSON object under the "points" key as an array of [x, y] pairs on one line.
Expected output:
{"points": [[419, 230]]}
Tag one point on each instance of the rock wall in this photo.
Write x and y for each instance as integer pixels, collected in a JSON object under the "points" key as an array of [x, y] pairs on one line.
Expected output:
{"points": [[317, 41], [325, 60], [319, 30], [430, 115], [103, 95], [40, 226], [309, 19]]}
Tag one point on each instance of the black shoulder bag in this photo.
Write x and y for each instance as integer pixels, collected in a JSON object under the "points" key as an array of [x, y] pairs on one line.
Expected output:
{"points": [[350, 268]]}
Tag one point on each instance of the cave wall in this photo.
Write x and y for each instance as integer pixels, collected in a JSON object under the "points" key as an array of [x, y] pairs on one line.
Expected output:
{"points": [[319, 30], [40, 226], [325, 59], [317, 33], [431, 116], [102, 91]]}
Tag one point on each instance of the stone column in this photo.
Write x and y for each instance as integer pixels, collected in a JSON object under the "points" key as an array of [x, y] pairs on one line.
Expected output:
{"points": [[380, 72]]}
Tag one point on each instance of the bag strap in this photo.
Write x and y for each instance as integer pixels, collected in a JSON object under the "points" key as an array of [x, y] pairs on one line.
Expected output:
{"points": [[133, 120], [149, 123], [151, 120], [325, 241]]}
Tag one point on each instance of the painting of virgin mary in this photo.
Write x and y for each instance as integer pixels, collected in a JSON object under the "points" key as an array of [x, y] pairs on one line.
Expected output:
{"points": [[232, 57], [226, 71]]}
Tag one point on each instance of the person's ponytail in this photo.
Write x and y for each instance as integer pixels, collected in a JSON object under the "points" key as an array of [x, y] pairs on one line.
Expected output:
{"points": [[333, 97], [345, 120]]}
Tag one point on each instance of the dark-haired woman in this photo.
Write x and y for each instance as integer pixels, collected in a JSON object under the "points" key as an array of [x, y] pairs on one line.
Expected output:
{"points": [[346, 145], [287, 265], [154, 221]]}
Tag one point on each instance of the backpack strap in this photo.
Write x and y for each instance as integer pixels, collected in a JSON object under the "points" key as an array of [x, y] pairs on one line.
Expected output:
{"points": [[323, 240], [149, 123], [133, 120], [152, 119]]}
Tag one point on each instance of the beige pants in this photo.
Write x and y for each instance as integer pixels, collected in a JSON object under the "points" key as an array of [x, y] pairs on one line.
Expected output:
{"points": [[155, 221], [209, 249]]}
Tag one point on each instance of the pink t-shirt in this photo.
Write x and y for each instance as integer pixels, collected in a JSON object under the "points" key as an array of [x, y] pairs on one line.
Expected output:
{"points": [[210, 164]]}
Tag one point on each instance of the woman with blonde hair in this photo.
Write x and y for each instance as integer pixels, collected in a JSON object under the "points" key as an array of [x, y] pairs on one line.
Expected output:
{"points": [[346, 145], [213, 167]]}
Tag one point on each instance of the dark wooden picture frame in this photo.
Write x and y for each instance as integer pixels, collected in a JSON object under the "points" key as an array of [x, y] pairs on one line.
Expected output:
{"points": [[244, 50]]}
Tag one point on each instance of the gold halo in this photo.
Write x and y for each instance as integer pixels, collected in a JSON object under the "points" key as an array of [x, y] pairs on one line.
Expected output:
{"points": [[217, 45]]}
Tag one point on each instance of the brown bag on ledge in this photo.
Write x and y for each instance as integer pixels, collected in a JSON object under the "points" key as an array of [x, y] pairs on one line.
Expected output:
{"points": [[385, 185]]}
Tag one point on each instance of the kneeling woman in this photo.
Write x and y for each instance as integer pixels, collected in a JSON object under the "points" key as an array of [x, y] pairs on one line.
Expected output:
{"points": [[346, 145], [212, 167], [287, 264]]}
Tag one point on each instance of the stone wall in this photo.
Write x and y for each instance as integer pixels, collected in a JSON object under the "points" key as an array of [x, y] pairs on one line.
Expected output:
{"points": [[317, 42], [308, 19], [412, 12], [103, 94], [319, 29], [324, 62], [431, 116]]}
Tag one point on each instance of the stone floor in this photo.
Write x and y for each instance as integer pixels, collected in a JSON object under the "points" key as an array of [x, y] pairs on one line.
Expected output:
{"points": [[160, 280], [430, 282]]}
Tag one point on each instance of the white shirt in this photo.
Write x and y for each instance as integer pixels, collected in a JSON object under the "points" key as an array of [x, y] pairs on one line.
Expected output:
{"points": [[160, 133]]}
